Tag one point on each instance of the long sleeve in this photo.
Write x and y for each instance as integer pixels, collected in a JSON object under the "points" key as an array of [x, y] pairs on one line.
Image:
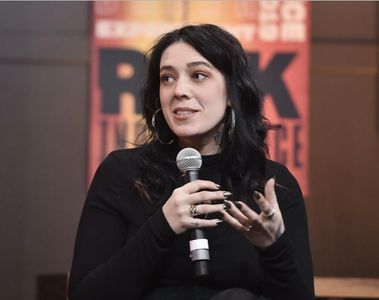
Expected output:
{"points": [[287, 264], [125, 248], [113, 259]]}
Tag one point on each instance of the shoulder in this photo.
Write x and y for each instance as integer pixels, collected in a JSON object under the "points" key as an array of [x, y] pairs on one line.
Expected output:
{"points": [[286, 185], [280, 172], [276, 169], [120, 164], [126, 156]]}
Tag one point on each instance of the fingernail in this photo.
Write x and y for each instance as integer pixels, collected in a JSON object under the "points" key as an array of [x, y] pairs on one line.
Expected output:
{"points": [[227, 195], [219, 221], [218, 186], [227, 205], [238, 205], [256, 195]]}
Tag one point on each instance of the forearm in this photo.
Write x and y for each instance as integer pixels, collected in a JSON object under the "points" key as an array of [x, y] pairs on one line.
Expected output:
{"points": [[125, 274], [282, 276]]}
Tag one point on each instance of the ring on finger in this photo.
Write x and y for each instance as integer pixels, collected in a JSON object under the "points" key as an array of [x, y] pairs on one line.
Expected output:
{"points": [[193, 210], [248, 228], [270, 214]]}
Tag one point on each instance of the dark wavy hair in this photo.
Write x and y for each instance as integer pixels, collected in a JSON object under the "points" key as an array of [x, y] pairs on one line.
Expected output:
{"points": [[243, 154]]}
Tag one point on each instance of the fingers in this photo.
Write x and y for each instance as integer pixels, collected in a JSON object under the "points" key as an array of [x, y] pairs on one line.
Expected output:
{"points": [[270, 191], [268, 202], [205, 209], [191, 200], [240, 216], [200, 210], [197, 185], [263, 204], [200, 191], [201, 223], [235, 223], [208, 197], [260, 228]]}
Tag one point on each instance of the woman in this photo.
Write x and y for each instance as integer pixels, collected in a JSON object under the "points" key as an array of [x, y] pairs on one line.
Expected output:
{"points": [[132, 241]]}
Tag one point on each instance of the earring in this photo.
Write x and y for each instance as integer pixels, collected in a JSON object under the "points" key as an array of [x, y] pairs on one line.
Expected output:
{"points": [[153, 120], [232, 123]]}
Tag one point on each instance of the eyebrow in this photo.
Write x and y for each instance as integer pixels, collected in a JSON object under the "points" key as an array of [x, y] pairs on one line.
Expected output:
{"points": [[189, 65]]}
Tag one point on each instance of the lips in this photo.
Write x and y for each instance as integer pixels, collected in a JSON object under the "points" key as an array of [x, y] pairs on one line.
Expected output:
{"points": [[184, 112]]}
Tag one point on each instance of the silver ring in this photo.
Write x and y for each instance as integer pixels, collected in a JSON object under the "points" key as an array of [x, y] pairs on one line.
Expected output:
{"points": [[193, 210], [270, 214], [249, 228]]}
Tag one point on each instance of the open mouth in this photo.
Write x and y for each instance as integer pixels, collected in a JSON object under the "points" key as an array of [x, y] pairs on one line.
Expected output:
{"points": [[184, 112]]}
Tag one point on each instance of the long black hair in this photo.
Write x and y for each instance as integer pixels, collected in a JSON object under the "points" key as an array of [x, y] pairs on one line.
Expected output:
{"points": [[243, 150]]}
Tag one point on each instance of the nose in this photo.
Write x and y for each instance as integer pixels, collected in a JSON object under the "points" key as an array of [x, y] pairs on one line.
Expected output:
{"points": [[182, 88]]}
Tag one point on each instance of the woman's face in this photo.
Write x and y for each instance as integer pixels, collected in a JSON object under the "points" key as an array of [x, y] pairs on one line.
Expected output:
{"points": [[193, 97]]}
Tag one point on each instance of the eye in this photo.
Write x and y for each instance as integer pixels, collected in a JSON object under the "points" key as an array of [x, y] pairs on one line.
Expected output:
{"points": [[167, 79], [199, 76]]}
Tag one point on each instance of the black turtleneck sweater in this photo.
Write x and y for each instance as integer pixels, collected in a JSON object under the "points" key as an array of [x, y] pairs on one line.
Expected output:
{"points": [[125, 249]]}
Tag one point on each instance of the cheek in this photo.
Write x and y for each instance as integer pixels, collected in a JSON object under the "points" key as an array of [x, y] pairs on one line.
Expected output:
{"points": [[163, 96], [165, 104]]}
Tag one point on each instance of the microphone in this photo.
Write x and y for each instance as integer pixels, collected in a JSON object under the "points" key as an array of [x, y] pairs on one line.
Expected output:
{"points": [[189, 162]]}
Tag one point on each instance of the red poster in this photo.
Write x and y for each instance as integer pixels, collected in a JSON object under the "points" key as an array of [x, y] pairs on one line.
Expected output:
{"points": [[275, 35]]}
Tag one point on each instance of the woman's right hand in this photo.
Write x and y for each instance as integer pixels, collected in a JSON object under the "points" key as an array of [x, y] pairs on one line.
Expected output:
{"points": [[191, 200]]}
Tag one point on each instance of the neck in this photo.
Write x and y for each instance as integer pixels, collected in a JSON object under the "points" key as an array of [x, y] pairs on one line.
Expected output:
{"points": [[205, 147], [207, 144]]}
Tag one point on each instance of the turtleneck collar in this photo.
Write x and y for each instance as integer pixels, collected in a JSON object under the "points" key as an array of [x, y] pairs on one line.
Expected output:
{"points": [[207, 160]]}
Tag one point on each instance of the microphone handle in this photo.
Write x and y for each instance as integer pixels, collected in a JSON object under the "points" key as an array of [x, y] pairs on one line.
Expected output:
{"points": [[200, 252], [190, 175], [199, 255]]}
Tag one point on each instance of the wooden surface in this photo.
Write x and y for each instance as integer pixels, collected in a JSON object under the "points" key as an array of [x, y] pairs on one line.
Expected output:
{"points": [[335, 287], [344, 139]]}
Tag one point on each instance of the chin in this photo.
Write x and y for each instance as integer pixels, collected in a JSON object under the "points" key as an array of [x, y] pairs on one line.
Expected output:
{"points": [[186, 132], [186, 135]]}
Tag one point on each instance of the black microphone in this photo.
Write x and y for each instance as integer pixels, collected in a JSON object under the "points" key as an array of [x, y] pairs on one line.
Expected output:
{"points": [[189, 162]]}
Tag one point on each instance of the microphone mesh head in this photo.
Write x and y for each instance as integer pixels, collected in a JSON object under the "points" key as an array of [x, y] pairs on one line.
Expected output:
{"points": [[188, 159]]}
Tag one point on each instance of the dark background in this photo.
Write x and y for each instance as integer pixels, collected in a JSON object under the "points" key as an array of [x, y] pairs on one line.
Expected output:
{"points": [[44, 86]]}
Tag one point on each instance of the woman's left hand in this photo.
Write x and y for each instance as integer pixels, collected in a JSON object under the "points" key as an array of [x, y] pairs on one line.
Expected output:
{"points": [[260, 229]]}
